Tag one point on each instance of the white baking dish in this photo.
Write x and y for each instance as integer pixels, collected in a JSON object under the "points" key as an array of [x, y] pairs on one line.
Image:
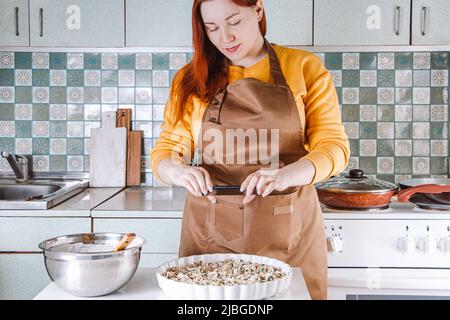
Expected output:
{"points": [[181, 290]]}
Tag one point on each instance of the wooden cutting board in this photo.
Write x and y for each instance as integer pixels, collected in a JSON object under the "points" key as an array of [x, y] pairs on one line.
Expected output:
{"points": [[134, 144], [134, 158], [108, 150]]}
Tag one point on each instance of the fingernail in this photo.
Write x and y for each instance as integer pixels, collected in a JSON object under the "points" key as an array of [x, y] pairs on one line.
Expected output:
{"points": [[210, 188], [242, 189]]}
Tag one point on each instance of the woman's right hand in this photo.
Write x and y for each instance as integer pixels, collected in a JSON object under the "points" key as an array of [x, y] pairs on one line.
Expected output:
{"points": [[195, 179]]}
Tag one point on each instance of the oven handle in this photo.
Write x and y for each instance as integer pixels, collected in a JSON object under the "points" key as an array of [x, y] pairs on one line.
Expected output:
{"points": [[441, 283]]}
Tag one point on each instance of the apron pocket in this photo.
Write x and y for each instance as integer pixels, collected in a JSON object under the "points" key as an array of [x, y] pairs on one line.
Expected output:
{"points": [[228, 219], [276, 221]]}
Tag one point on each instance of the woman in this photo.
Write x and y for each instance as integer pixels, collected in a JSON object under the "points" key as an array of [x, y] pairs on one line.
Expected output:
{"points": [[239, 87]]}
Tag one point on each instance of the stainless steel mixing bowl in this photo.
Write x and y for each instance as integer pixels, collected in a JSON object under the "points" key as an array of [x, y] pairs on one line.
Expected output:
{"points": [[85, 265]]}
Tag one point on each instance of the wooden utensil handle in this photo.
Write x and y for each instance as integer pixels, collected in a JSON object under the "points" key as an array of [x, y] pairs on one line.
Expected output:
{"points": [[124, 242], [406, 194]]}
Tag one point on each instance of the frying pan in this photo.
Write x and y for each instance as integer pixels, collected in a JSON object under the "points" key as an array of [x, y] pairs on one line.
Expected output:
{"points": [[435, 189]]}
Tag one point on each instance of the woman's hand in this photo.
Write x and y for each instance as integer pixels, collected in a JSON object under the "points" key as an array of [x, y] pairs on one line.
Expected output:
{"points": [[195, 179], [264, 181]]}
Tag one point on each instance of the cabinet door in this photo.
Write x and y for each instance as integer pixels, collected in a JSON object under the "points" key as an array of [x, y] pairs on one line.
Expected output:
{"points": [[162, 235], [75, 23], [289, 22], [14, 23], [431, 22], [23, 234], [22, 276], [159, 23], [361, 22]]}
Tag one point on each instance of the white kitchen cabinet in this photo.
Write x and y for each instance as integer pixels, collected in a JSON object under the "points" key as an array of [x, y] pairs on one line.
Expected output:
{"points": [[430, 22], [14, 23], [362, 22], [23, 234], [22, 276], [75, 23], [289, 22], [162, 235], [158, 23]]}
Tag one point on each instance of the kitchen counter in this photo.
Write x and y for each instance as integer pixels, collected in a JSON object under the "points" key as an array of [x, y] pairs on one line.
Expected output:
{"points": [[144, 286], [79, 205], [144, 202]]}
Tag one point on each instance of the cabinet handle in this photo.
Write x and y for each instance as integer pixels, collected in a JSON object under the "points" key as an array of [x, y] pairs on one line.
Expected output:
{"points": [[423, 20], [41, 22], [16, 20], [397, 20]]}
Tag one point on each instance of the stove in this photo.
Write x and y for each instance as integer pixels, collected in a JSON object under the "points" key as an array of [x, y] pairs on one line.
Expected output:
{"points": [[399, 252]]}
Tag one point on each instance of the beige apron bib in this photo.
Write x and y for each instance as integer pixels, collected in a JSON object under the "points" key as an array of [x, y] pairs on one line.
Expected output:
{"points": [[286, 226]]}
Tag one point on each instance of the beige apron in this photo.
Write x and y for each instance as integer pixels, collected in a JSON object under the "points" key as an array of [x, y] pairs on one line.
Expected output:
{"points": [[287, 226]]}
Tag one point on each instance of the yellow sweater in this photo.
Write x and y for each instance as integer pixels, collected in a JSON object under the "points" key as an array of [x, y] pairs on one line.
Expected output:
{"points": [[309, 81]]}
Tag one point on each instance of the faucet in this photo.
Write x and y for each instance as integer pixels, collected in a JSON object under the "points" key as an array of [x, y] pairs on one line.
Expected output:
{"points": [[19, 164]]}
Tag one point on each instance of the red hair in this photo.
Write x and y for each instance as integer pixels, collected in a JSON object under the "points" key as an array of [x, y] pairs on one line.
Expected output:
{"points": [[207, 73]]}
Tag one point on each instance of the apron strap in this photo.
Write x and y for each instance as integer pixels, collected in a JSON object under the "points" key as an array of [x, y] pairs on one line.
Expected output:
{"points": [[275, 68], [275, 71]]}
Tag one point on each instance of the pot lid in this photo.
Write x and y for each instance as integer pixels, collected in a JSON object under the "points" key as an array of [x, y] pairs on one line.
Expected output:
{"points": [[356, 182]]}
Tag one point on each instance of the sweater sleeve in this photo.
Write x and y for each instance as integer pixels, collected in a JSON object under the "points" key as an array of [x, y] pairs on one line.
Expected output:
{"points": [[328, 143], [175, 140]]}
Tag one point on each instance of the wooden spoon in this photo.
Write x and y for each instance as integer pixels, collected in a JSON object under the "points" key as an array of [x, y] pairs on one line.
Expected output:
{"points": [[124, 242]]}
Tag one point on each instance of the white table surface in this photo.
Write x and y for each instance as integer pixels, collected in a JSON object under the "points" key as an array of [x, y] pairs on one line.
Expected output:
{"points": [[144, 286]]}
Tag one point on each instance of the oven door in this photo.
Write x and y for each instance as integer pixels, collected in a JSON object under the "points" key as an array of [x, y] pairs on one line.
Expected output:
{"points": [[388, 284]]}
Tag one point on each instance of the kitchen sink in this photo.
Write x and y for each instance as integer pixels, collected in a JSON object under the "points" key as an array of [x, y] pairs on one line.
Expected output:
{"points": [[38, 193]]}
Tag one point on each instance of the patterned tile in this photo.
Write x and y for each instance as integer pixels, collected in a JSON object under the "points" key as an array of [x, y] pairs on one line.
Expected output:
{"points": [[403, 60], [350, 60], [23, 77], [75, 61], [126, 61], [7, 94], [7, 77], [126, 78], [7, 111], [75, 163], [177, 60], [421, 147], [58, 146], [333, 61], [403, 78], [92, 61], [368, 60], [403, 113], [58, 112], [386, 60], [421, 60], [24, 146], [58, 78], [110, 60], [40, 60], [7, 60], [421, 78], [23, 112], [58, 60], [40, 163], [57, 163], [386, 95], [20, 60], [143, 61]]}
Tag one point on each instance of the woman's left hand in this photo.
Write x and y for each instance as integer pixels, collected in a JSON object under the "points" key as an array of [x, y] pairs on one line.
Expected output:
{"points": [[264, 181]]}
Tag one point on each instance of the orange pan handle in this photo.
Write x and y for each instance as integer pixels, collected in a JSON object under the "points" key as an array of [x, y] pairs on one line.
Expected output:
{"points": [[405, 194]]}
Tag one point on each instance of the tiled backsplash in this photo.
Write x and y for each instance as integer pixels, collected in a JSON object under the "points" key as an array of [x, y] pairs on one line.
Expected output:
{"points": [[394, 106]]}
